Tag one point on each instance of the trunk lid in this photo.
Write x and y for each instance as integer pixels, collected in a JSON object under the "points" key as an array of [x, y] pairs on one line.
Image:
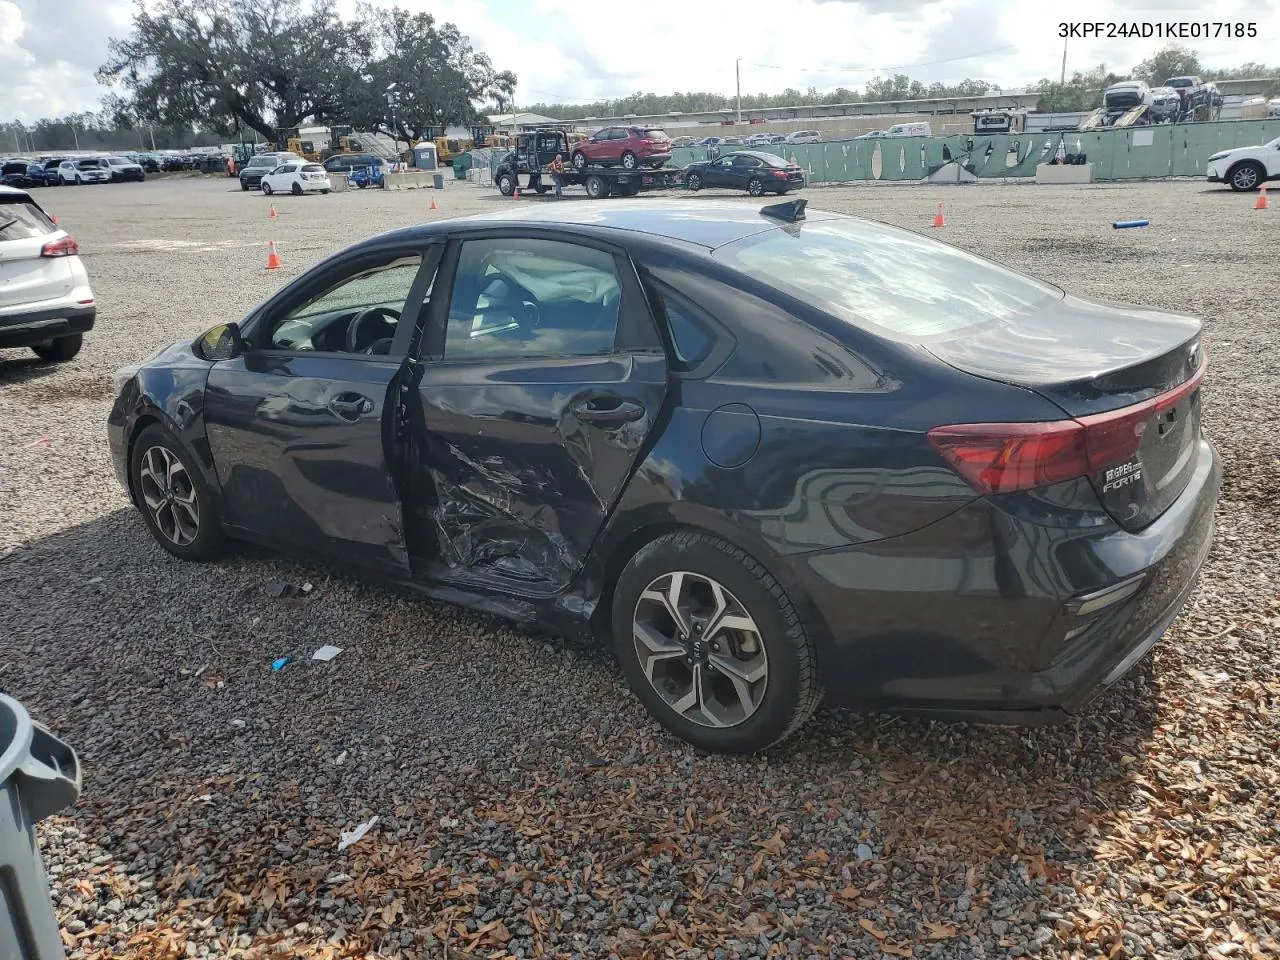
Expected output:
{"points": [[1129, 374]]}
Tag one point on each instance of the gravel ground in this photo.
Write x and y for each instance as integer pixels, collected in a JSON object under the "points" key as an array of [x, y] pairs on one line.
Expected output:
{"points": [[526, 804]]}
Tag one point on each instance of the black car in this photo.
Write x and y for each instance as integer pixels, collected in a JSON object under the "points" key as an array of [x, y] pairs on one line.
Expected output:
{"points": [[769, 457], [21, 174], [753, 171], [123, 169]]}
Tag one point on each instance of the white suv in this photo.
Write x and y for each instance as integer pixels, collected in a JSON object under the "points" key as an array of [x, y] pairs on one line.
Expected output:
{"points": [[1246, 168], [45, 300], [88, 170]]}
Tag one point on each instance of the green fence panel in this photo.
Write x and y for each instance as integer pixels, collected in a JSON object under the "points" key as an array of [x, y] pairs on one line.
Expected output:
{"points": [[1133, 153]]}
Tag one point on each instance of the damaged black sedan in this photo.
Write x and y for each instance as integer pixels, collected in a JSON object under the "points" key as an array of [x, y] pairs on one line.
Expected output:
{"points": [[772, 458]]}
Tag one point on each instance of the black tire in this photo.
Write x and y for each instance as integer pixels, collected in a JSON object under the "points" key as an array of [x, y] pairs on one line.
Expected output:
{"points": [[629, 190], [597, 187], [755, 187], [1246, 176], [210, 541], [296, 189], [506, 186], [693, 182], [579, 160], [792, 689], [360, 184], [60, 350], [324, 193], [629, 161], [244, 186], [265, 188]]}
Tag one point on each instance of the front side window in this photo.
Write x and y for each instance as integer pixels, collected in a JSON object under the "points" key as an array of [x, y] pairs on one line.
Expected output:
{"points": [[356, 314], [885, 279], [527, 297]]}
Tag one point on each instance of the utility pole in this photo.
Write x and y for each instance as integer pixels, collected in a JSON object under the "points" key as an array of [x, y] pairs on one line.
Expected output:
{"points": [[1062, 78], [76, 134], [152, 131], [737, 73]]}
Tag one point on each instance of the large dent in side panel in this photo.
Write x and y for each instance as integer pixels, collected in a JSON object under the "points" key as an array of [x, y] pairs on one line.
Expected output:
{"points": [[491, 513]]}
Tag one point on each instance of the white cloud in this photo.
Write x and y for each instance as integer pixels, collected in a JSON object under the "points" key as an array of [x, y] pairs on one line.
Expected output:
{"points": [[562, 50]]}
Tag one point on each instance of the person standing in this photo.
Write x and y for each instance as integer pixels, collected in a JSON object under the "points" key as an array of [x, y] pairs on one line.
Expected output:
{"points": [[557, 175]]}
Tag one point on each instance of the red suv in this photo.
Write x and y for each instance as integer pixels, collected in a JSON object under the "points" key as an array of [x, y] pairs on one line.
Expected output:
{"points": [[632, 147]]}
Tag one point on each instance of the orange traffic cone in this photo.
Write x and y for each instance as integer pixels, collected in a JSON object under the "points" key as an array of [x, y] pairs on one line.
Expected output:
{"points": [[54, 218], [433, 201], [273, 259], [937, 218], [272, 214], [1260, 205]]}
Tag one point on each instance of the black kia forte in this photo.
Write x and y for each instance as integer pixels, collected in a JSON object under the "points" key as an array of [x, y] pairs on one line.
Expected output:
{"points": [[771, 458]]}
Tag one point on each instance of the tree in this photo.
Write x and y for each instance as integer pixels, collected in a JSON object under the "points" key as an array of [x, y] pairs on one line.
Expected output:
{"points": [[439, 77], [1170, 61], [263, 64]]}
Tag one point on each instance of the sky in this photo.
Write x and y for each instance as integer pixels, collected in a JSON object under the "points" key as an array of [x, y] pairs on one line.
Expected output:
{"points": [[562, 51]]}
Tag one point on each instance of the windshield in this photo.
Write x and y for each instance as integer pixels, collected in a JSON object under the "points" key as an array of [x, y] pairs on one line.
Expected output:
{"points": [[885, 279], [263, 162], [119, 162]]}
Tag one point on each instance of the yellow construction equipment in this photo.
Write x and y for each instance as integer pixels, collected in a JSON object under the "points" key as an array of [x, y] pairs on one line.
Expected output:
{"points": [[449, 147]]}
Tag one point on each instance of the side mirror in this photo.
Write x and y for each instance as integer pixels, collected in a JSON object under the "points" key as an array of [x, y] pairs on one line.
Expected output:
{"points": [[222, 342]]}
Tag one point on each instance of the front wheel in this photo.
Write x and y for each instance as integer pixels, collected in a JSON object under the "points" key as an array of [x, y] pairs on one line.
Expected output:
{"points": [[579, 161], [175, 502], [693, 182], [361, 184], [266, 188], [755, 187], [506, 186], [1246, 177], [712, 645], [60, 350], [244, 186]]}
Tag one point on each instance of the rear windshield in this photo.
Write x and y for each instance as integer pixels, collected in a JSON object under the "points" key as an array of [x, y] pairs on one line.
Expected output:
{"points": [[885, 279], [770, 160], [312, 168], [20, 219], [654, 134]]}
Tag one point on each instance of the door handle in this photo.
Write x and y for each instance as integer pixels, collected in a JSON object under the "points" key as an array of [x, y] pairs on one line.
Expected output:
{"points": [[608, 410], [351, 406]]}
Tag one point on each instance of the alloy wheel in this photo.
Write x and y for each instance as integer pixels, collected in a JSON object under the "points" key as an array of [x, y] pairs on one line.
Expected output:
{"points": [[170, 495], [700, 649], [1246, 178]]}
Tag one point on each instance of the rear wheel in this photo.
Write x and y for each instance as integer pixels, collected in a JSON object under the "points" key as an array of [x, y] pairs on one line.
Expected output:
{"points": [[176, 504], [296, 190], [629, 161], [597, 187], [60, 350], [712, 645], [1246, 176]]}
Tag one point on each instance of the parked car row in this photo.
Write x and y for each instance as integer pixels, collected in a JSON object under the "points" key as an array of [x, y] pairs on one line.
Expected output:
{"points": [[24, 173], [285, 173]]}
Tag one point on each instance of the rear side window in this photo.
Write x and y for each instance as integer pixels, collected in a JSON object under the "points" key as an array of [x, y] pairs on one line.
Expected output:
{"points": [[22, 219], [691, 337], [885, 279]]}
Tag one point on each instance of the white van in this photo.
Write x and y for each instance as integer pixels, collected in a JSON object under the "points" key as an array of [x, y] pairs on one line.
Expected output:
{"points": [[920, 129]]}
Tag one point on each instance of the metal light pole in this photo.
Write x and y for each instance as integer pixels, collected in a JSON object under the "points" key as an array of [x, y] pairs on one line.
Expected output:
{"points": [[737, 75], [1062, 78], [393, 101]]}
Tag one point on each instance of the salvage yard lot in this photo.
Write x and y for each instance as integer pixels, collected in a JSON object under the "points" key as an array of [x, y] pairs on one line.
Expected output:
{"points": [[527, 805]]}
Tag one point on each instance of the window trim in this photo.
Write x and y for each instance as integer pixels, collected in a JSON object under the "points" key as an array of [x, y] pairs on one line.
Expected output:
{"points": [[324, 276], [634, 308], [723, 342]]}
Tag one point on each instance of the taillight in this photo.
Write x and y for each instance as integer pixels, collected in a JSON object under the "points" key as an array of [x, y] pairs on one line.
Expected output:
{"points": [[1008, 457], [782, 174], [63, 247]]}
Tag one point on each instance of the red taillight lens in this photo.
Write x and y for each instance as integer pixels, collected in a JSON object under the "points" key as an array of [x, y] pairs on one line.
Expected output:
{"points": [[64, 247], [1008, 457]]}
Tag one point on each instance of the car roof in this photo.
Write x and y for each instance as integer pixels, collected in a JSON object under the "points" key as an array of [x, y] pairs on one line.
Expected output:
{"points": [[13, 193], [707, 224]]}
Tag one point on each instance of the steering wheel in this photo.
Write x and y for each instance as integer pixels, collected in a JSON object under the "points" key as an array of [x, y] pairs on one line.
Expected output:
{"points": [[389, 317]]}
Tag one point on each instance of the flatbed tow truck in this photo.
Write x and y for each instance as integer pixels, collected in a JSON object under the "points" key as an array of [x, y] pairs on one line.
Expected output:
{"points": [[531, 157]]}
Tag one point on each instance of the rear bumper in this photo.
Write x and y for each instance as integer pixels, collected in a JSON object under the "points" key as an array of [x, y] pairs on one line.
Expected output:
{"points": [[984, 615], [25, 329]]}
